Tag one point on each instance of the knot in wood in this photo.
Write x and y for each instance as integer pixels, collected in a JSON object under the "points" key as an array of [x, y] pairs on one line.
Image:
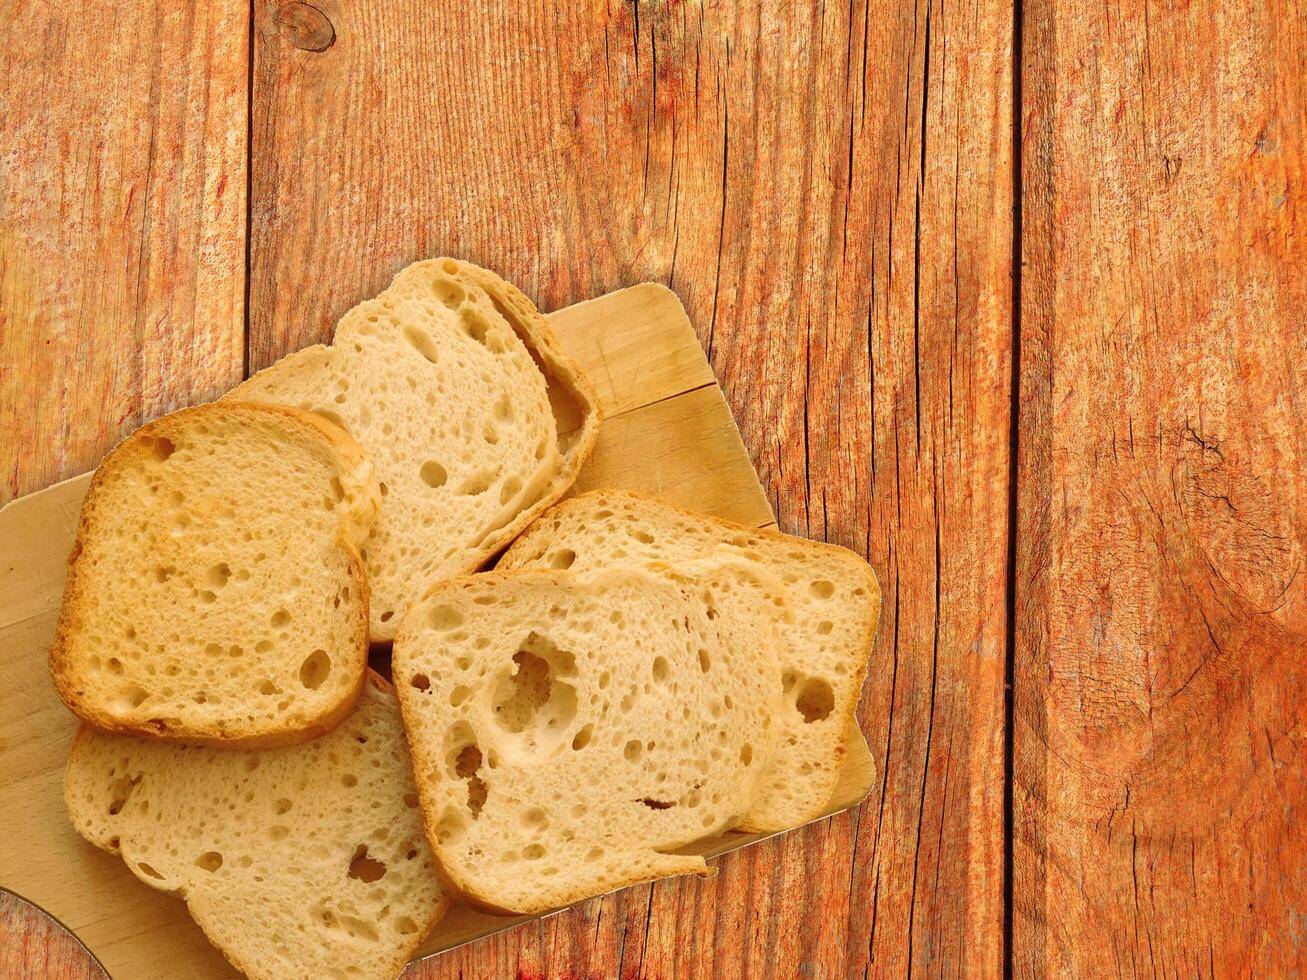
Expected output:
{"points": [[305, 26]]}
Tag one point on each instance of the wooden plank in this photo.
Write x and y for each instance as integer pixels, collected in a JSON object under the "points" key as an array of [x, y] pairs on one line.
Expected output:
{"points": [[122, 217], [1161, 596], [828, 189], [633, 451], [655, 356]]}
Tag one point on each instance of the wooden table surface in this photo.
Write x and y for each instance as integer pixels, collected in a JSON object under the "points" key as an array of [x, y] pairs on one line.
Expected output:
{"points": [[1012, 300]]}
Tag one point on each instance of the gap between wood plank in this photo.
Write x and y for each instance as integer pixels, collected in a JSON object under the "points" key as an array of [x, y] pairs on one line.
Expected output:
{"points": [[249, 184], [1014, 436]]}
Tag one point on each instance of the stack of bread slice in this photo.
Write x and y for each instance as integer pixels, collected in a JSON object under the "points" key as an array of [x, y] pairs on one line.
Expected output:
{"points": [[630, 678]]}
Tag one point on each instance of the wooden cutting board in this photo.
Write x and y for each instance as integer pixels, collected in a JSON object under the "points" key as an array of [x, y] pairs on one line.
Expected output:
{"points": [[667, 431]]}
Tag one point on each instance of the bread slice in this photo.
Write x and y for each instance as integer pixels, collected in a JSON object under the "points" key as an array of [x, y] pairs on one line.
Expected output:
{"points": [[305, 861], [454, 384], [831, 594], [568, 735], [215, 592]]}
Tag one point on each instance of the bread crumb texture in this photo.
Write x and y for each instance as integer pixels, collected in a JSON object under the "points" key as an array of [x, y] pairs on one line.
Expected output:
{"points": [[215, 591], [302, 861], [452, 382], [829, 603], [568, 735]]}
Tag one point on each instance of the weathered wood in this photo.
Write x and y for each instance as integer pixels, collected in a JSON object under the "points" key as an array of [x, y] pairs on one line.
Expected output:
{"points": [[1161, 596], [829, 191], [122, 217], [32, 944]]}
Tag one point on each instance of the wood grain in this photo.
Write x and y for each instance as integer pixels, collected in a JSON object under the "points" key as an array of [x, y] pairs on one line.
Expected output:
{"points": [[122, 217], [32, 944], [1161, 594], [829, 191]]}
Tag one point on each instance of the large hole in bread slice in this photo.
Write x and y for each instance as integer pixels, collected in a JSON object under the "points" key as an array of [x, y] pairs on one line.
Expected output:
{"points": [[531, 701]]}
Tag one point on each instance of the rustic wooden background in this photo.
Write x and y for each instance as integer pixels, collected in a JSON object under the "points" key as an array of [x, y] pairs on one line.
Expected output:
{"points": [[1010, 299]]}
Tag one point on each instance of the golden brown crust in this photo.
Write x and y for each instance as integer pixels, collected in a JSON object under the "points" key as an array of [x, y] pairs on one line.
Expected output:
{"points": [[71, 616], [533, 329], [583, 500]]}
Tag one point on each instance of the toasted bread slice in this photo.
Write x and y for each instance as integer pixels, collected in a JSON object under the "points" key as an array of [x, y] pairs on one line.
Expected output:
{"points": [[215, 592], [304, 861], [831, 594], [567, 734], [454, 384]]}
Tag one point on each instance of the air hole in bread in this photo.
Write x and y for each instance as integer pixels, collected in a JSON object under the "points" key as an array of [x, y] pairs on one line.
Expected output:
{"points": [[131, 696], [533, 852], [364, 868], [746, 754], [633, 750], [477, 483], [532, 701], [279, 832], [209, 861], [161, 448], [510, 489], [660, 669], [459, 694], [121, 791], [421, 342], [466, 766], [816, 700], [420, 681], [387, 615], [279, 619], [582, 738], [822, 588], [475, 325], [115, 665], [504, 409], [653, 804], [444, 618], [283, 805], [824, 627], [149, 871], [705, 661], [433, 474], [314, 669], [349, 780], [562, 559], [644, 537], [448, 292], [411, 800], [217, 576]]}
